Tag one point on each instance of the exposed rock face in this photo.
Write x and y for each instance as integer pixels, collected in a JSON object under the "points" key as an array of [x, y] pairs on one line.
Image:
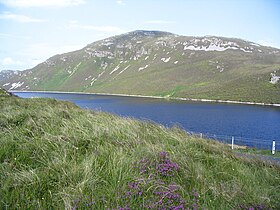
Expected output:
{"points": [[274, 78]]}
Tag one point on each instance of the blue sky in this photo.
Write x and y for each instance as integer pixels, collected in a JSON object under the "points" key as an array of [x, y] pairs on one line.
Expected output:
{"points": [[33, 30]]}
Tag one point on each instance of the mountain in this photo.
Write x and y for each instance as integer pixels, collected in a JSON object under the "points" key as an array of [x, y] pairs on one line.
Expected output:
{"points": [[161, 64], [7, 74]]}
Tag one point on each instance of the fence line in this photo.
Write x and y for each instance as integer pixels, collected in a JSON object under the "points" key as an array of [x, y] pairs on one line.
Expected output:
{"points": [[241, 141]]}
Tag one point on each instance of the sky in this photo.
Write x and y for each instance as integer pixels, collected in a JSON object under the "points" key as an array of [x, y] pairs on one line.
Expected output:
{"points": [[31, 31]]}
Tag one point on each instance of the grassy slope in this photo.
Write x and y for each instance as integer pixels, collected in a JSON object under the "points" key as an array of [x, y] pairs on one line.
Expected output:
{"points": [[55, 155], [4, 93], [189, 83], [245, 76]]}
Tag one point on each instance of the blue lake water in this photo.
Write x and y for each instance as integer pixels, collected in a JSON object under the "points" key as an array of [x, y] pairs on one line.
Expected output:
{"points": [[249, 124]]}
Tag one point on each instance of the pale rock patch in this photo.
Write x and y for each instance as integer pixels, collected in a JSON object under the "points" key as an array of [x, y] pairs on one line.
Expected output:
{"points": [[165, 60], [123, 69], [6, 84], [74, 69], [115, 69], [142, 68], [274, 79], [93, 80], [16, 85]]}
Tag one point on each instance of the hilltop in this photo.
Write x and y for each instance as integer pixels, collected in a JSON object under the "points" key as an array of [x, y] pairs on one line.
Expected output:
{"points": [[54, 155], [163, 64]]}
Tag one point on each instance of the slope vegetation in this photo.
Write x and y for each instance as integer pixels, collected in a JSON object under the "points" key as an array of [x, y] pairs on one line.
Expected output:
{"points": [[161, 64], [53, 155]]}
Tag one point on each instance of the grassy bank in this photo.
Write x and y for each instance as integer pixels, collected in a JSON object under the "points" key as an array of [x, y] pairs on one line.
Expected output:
{"points": [[160, 97], [54, 155], [254, 151]]}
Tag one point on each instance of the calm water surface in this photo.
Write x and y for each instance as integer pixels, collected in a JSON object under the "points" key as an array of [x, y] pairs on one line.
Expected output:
{"points": [[245, 121]]}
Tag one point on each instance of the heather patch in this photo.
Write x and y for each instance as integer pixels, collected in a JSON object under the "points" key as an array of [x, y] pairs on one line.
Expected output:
{"points": [[56, 156], [153, 188]]}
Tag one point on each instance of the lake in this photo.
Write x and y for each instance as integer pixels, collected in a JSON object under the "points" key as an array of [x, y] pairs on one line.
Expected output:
{"points": [[250, 125]]}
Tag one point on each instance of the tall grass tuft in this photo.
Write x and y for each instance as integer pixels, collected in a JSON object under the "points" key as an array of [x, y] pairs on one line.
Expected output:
{"points": [[54, 155]]}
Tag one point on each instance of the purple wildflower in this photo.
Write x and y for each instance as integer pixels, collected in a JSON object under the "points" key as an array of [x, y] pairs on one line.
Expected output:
{"points": [[165, 194]]}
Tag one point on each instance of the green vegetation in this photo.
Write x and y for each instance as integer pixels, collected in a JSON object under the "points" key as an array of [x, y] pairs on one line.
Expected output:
{"points": [[54, 155], [4, 93], [159, 65], [253, 151]]}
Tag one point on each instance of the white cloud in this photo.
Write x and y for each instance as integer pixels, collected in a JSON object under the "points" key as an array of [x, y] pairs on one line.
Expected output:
{"points": [[110, 29], [4, 35], [159, 22], [42, 51], [45, 50], [12, 64], [268, 42], [41, 3], [9, 61], [68, 48], [19, 18], [34, 62], [120, 2]]}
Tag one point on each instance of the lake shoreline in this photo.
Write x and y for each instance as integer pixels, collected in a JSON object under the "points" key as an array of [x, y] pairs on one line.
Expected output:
{"points": [[155, 97]]}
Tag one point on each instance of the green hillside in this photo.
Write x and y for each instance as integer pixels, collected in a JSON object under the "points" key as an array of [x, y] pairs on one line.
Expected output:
{"points": [[54, 155], [4, 93], [161, 64]]}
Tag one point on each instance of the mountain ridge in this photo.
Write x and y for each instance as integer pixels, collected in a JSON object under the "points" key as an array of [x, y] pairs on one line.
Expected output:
{"points": [[160, 63]]}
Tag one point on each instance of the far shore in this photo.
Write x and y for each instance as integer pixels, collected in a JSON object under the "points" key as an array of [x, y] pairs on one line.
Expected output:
{"points": [[156, 97]]}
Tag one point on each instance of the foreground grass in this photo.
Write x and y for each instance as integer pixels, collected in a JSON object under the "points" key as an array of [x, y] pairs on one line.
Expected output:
{"points": [[4, 93], [53, 155], [253, 151]]}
